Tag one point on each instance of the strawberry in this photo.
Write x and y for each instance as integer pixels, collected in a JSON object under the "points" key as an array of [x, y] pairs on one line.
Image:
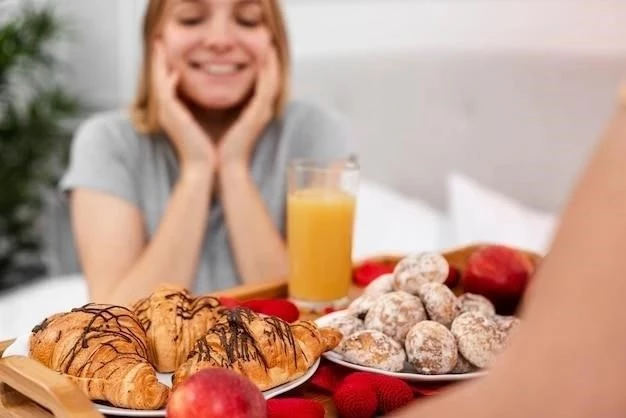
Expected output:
{"points": [[391, 393], [281, 308], [355, 400]]}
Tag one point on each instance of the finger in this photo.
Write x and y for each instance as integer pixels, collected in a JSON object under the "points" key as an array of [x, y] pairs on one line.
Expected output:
{"points": [[166, 80], [172, 82]]}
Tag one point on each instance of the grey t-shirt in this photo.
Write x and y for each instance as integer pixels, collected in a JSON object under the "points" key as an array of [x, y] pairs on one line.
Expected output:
{"points": [[109, 155]]}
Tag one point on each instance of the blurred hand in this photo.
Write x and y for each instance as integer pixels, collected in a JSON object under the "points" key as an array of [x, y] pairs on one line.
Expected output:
{"points": [[238, 142], [192, 143]]}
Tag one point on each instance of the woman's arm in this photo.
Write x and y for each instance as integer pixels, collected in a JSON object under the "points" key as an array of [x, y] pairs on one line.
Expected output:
{"points": [[119, 264], [568, 358], [259, 249]]}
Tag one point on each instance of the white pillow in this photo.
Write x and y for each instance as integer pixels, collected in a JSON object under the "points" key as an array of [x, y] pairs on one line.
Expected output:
{"points": [[479, 214], [388, 222]]}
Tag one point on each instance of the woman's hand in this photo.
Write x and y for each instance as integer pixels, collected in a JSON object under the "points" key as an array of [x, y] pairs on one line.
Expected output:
{"points": [[192, 143], [237, 143]]}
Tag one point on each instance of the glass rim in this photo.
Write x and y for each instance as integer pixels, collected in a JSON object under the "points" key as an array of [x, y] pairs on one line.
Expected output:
{"points": [[348, 164]]}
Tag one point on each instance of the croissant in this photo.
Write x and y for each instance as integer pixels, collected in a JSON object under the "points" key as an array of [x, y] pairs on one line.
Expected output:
{"points": [[104, 350], [265, 349], [174, 321]]}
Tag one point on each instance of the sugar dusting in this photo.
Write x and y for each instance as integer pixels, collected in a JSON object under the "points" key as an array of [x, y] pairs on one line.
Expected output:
{"points": [[412, 271], [431, 348], [478, 338], [373, 349], [440, 302], [471, 302], [395, 314], [345, 323], [383, 284], [361, 305], [462, 365], [507, 325]]}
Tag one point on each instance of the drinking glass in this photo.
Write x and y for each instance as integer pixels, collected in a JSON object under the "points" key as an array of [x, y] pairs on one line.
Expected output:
{"points": [[321, 205]]}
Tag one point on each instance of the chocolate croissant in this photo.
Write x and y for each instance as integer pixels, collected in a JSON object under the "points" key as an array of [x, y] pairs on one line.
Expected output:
{"points": [[104, 350], [265, 349], [174, 320]]}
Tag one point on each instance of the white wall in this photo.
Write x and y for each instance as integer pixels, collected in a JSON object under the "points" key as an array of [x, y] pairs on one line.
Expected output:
{"points": [[103, 53], [331, 26], [104, 60]]}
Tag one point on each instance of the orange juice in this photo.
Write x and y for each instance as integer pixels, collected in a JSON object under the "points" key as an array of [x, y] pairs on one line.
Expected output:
{"points": [[319, 235]]}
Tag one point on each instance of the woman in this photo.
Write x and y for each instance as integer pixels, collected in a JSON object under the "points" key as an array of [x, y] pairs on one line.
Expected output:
{"points": [[568, 358], [189, 187]]}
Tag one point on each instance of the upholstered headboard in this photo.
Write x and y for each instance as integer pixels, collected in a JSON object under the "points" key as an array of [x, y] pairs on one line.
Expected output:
{"points": [[521, 123]]}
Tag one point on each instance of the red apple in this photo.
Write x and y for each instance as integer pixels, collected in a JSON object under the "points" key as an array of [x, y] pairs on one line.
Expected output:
{"points": [[216, 393], [370, 271], [453, 277], [499, 273]]}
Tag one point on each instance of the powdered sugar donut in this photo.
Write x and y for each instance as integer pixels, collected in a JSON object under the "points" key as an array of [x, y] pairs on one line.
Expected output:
{"points": [[383, 284], [471, 302], [507, 325], [478, 338], [373, 349], [462, 366], [431, 348], [345, 323], [395, 314], [414, 270], [441, 304], [361, 305]]}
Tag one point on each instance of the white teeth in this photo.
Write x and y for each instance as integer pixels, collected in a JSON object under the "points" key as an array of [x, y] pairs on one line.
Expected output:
{"points": [[219, 69]]}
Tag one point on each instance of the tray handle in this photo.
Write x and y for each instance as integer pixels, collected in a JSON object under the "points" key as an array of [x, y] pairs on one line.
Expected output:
{"points": [[21, 375]]}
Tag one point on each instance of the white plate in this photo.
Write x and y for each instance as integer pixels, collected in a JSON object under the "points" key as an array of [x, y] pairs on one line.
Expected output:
{"points": [[407, 374], [20, 348]]}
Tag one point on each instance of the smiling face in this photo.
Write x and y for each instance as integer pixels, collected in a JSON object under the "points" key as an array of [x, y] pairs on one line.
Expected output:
{"points": [[217, 47]]}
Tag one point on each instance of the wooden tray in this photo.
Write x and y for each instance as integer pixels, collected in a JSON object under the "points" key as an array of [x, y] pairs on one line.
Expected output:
{"points": [[25, 384], [28, 389], [456, 257]]}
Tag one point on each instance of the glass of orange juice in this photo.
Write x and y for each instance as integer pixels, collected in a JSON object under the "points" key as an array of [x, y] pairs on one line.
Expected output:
{"points": [[321, 203]]}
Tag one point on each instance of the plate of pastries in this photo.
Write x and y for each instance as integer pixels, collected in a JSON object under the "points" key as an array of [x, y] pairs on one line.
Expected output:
{"points": [[410, 323], [128, 360]]}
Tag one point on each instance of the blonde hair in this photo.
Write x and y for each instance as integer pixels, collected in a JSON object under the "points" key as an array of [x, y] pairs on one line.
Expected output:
{"points": [[144, 109]]}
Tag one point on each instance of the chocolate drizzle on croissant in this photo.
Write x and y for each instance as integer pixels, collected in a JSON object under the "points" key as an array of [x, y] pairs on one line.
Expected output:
{"points": [[239, 342], [235, 336], [41, 326], [187, 306], [104, 350], [105, 326], [174, 320], [265, 349]]}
